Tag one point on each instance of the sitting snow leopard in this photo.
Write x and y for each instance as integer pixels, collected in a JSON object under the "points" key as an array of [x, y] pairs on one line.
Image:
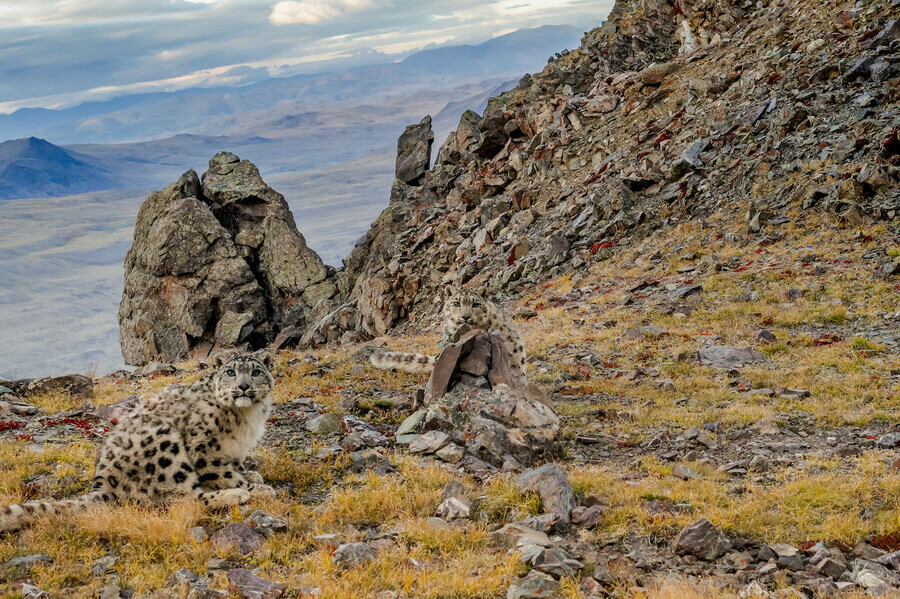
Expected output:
{"points": [[185, 441], [464, 309]]}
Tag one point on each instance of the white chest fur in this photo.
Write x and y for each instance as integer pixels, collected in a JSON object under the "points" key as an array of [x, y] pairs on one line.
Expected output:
{"points": [[245, 437]]}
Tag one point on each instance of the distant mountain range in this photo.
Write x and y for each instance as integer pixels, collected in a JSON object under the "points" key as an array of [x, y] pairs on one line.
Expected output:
{"points": [[239, 110], [285, 125], [34, 167]]}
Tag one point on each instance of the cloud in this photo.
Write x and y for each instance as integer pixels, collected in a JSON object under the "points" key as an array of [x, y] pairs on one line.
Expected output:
{"points": [[62, 52], [311, 12], [16, 13]]}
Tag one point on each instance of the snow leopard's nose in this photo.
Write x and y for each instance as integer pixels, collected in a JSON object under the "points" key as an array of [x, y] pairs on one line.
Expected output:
{"points": [[243, 386]]}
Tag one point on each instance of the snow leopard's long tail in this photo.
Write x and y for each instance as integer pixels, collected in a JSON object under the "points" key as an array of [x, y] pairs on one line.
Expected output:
{"points": [[407, 362], [13, 517]]}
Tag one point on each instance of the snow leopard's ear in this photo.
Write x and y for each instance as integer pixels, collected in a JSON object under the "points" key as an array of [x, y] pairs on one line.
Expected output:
{"points": [[483, 292], [448, 291], [267, 357], [221, 357]]}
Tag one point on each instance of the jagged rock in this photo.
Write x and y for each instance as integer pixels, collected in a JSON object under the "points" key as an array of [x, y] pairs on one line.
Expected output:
{"points": [[454, 507], [110, 591], [20, 408], [352, 555], [455, 504], [831, 567], [889, 440], [326, 424], [33, 592], [19, 567], [552, 486], [519, 535], [491, 415], [871, 575], [248, 585], [451, 453], [548, 562], [73, 385], [369, 460], [236, 537], [702, 540], [414, 152], [589, 517], [266, 523], [430, 442], [104, 565], [222, 263]]}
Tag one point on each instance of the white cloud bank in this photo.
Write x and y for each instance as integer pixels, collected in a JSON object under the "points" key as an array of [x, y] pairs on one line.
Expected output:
{"points": [[311, 12]]}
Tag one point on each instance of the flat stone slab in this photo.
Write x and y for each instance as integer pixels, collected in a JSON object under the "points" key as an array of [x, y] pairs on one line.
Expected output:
{"points": [[726, 357]]}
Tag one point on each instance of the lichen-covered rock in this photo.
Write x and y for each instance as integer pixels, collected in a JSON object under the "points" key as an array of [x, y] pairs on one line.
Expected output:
{"points": [[414, 152], [220, 263]]}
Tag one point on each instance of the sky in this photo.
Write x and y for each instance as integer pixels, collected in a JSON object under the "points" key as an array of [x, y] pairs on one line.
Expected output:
{"points": [[56, 53]]}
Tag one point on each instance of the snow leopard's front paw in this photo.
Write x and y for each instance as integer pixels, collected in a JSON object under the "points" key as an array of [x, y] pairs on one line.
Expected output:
{"points": [[257, 490]]}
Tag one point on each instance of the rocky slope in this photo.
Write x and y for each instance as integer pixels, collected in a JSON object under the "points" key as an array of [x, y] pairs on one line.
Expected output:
{"points": [[671, 111]]}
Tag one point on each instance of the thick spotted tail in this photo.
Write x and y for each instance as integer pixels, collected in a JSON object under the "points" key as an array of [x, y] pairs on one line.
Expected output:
{"points": [[401, 361], [14, 517]]}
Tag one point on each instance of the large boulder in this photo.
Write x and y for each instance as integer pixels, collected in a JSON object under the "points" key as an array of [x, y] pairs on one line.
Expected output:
{"points": [[217, 263], [414, 152], [478, 396]]}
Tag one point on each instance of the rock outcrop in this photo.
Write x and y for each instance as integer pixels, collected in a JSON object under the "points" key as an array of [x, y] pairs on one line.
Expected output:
{"points": [[414, 152], [480, 410], [217, 263]]}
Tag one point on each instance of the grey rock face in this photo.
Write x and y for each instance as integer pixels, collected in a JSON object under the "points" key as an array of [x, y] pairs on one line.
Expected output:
{"points": [[266, 523], [248, 585], [723, 356], [533, 586], [478, 398], [414, 152], [239, 536], [552, 486], [217, 264], [352, 555], [702, 540]]}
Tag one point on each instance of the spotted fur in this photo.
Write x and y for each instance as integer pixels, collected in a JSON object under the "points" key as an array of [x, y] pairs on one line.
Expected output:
{"points": [[185, 441], [464, 309]]}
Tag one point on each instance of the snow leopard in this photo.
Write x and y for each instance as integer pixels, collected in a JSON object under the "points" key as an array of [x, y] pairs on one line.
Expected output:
{"points": [[463, 309], [187, 440]]}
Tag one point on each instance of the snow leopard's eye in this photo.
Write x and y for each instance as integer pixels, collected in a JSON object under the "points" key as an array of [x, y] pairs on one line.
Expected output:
{"points": [[230, 372], [456, 304], [476, 304], [257, 372]]}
